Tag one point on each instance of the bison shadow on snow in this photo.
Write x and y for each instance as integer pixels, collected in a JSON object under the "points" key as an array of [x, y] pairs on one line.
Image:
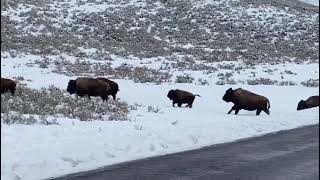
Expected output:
{"points": [[243, 99], [181, 97], [311, 102]]}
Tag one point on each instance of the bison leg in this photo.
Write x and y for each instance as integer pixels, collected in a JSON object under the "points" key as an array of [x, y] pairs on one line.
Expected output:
{"points": [[258, 112], [233, 108], [173, 103], [179, 104], [189, 105], [12, 91], [104, 98], [236, 112], [267, 111], [114, 97]]}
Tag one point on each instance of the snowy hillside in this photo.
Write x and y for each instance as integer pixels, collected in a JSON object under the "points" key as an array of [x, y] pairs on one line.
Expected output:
{"points": [[209, 31], [313, 2], [147, 47]]}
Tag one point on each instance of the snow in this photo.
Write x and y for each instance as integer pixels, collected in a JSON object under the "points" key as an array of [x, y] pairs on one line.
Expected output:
{"points": [[48, 78], [13, 67], [207, 2], [74, 146], [188, 46], [266, 12], [77, 146], [313, 2]]}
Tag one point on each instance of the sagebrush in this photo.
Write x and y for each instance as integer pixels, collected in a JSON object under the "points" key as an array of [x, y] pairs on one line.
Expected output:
{"points": [[53, 101]]}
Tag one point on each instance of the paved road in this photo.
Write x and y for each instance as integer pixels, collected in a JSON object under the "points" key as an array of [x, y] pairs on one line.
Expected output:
{"points": [[286, 155]]}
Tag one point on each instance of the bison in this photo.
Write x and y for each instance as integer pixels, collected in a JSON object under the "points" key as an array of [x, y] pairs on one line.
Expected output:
{"points": [[311, 102], [8, 85], [83, 86], [180, 97], [243, 99], [113, 86]]}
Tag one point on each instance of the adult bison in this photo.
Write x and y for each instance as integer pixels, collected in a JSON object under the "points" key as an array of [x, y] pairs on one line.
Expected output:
{"points": [[180, 97], [87, 86], [8, 85], [114, 87], [243, 99], [311, 102]]}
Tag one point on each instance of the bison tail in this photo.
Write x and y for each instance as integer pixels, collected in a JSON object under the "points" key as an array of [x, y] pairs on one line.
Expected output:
{"points": [[268, 104], [197, 95]]}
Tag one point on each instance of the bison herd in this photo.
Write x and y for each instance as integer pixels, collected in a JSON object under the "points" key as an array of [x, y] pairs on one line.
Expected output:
{"points": [[103, 87]]}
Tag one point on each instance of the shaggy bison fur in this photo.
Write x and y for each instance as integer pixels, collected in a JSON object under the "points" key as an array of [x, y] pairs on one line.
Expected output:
{"points": [[8, 85], [180, 97], [86, 86], [243, 99], [114, 87], [311, 102]]}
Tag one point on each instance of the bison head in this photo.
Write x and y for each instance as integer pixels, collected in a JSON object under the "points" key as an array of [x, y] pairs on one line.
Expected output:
{"points": [[71, 87], [228, 96], [302, 105], [171, 94]]}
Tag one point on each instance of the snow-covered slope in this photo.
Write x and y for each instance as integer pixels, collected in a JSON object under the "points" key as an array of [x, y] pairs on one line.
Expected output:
{"points": [[313, 2], [251, 31], [148, 47]]}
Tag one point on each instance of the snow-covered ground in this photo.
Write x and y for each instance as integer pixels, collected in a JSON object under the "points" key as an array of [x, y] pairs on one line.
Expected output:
{"points": [[37, 151], [33, 152], [314, 2], [13, 67]]}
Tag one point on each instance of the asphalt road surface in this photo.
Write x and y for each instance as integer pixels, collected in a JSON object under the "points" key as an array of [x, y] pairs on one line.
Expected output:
{"points": [[286, 155]]}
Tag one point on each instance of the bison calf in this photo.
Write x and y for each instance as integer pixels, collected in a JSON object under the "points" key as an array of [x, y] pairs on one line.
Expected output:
{"points": [[89, 86], [114, 87], [311, 102], [180, 97], [8, 85], [243, 99]]}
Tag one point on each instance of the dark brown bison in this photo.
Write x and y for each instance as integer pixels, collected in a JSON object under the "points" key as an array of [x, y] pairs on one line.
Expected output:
{"points": [[8, 85], [311, 102], [113, 86], [243, 99], [181, 97], [86, 86]]}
